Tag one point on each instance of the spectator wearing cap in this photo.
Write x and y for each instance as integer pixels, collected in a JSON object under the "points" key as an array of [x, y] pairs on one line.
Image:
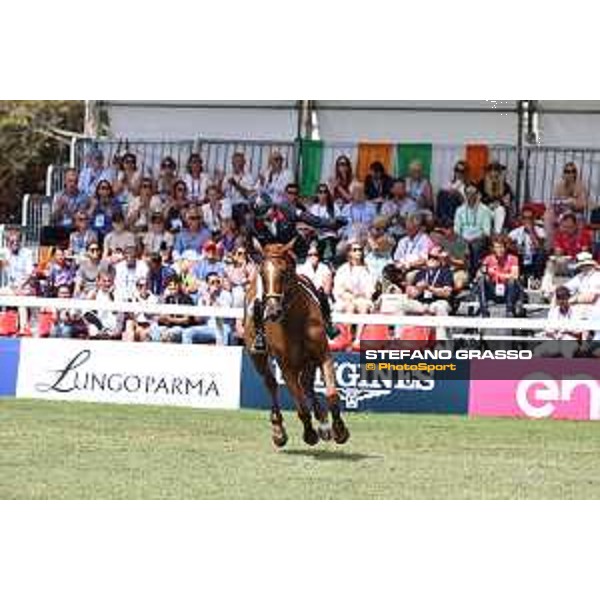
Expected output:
{"points": [[171, 327], [276, 178], [215, 210], [157, 236], [210, 262], [418, 186], [196, 180], [499, 280], [529, 240], [354, 285], [585, 285], [359, 213], [193, 236], [93, 173], [175, 207], [102, 207], [142, 206], [378, 184], [316, 271], [167, 178], [16, 262], [213, 330], [398, 208], [473, 223], [497, 194], [67, 202], [564, 341], [87, 272], [82, 236], [411, 251], [127, 273], [118, 239], [237, 187], [378, 249]]}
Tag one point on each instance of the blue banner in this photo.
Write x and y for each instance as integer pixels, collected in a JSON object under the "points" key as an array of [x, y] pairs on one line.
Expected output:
{"points": [[9, 366], [415, 394]]}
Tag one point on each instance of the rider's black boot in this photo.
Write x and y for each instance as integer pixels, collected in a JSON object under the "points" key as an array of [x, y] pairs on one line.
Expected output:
{"points": [[260, 342], [330, 329]]}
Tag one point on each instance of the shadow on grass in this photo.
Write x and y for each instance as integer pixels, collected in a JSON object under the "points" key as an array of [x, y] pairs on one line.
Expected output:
{"points": [[332, 455]]}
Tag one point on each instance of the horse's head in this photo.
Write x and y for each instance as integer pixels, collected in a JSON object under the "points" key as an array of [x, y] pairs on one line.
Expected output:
{"points": [[277, 272]]}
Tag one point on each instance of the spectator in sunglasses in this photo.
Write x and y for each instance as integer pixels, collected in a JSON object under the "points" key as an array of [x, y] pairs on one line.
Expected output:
{"points": [[343, 182], [240, 271], [176, 207], [83, 236], [276, 178], [196, 180], [141, 207], [102, 207], [166, 178], [378, 184], [325, 207], [129, 179], [87, 273], [93, 173], [194, 235], [354, 285]]}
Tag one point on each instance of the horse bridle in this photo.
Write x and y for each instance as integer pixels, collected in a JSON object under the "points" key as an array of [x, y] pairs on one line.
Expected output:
{"points": [[287, 278]]}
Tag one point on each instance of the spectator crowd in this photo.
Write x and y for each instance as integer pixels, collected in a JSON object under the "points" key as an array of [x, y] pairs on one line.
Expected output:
{"points": [[179, 237]]}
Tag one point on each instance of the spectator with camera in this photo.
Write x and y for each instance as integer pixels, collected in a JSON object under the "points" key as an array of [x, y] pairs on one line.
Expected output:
{"points": [[157, 237], [142, 207]]}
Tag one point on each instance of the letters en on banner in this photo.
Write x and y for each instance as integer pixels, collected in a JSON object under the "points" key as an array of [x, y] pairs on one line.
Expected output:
{"points": [[9, 365], [127, 373], [540, 388], [412, 393]]}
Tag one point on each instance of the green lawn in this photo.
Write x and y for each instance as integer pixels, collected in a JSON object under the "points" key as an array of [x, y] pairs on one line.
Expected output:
{"points": [[73, 450]]}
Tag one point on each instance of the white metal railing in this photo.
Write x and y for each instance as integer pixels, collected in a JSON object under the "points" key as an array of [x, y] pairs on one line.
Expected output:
{"points": [[237, 313]]}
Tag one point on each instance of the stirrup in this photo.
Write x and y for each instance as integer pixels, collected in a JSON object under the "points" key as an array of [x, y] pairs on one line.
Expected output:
{"points": [[260, 345]]}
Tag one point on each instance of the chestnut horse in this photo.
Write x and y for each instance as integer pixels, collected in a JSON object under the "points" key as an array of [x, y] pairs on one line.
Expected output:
{"points": [[295, 336]]}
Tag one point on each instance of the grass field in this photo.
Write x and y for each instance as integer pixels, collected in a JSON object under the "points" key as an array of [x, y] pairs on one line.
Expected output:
{"points": [[73, 450]]}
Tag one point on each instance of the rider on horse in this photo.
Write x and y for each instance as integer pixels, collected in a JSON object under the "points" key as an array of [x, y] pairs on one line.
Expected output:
{"points": [[271, 223]]}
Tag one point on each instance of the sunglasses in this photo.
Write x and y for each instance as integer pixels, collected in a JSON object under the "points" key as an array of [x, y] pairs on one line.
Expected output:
{"points": [[94, 250], [146, 185], [322, 192], [570, 171], [214, 282], [193, 218], [180, 189], [141, 284], [104, 188], [357, 249], [313, 254], [241, 252]]}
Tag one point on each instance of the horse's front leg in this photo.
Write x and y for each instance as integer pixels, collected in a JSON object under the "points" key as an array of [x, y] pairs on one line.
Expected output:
{"points": [[294, 382], [341, 434], [279, 434], [321, 414]]}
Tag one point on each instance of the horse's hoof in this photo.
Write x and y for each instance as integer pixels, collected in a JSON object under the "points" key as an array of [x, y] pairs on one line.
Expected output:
{"points": [[280, 438], [325, 432], [311, 437], [341, 434]]}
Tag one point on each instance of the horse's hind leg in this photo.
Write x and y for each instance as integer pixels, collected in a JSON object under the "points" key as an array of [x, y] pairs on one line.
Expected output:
{"points": [[341, 434], [279, 434], [321, 414]]}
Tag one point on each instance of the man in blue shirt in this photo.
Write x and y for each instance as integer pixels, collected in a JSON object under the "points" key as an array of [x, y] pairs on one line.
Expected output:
{"points": [[194, 235], [93, 173]]}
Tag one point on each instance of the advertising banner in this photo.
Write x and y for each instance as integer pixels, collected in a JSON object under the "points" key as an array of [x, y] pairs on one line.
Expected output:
{"points": [[9, 365], [539, 388], [412, 393], [128, 373]]}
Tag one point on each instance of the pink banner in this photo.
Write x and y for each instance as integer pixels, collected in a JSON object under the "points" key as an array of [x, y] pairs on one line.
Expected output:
{"points": [[539, 388]]}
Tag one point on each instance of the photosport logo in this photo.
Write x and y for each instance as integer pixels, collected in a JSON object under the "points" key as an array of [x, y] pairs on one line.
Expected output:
{"points": [[78, 375], [355, 388]]}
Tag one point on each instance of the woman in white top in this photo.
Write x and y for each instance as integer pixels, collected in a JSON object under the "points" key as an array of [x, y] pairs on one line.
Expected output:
{"points": [[276, 178], [353, 285], [318, 273], [216, 209], [195, 179]]}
